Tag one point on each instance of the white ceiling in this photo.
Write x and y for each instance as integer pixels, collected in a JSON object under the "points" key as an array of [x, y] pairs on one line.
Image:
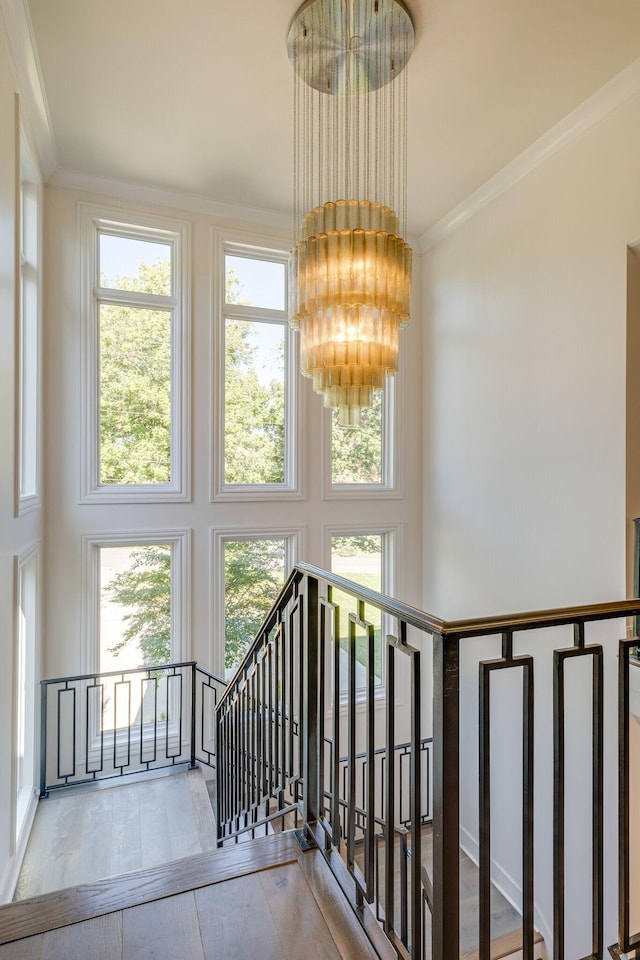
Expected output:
{"points": [[196, 96]]}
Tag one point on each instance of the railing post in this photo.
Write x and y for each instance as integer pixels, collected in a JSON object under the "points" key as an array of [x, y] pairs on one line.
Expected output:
{"points": [[192, 762], [310, 729], [43, 739], [446, 798]]}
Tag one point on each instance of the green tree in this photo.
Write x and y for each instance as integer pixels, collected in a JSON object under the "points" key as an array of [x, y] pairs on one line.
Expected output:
{"points": [[135, 425], [135, 434], [254, 411], [253, 576], [145, 590], [135, 383], [356, 452]]}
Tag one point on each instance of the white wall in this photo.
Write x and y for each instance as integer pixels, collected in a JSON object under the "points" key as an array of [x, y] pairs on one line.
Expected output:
{"points": [[524, 496], [17, 534]]}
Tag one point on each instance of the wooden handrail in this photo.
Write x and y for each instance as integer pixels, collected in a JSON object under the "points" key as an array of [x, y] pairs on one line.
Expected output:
{"points": [[481, 626]]}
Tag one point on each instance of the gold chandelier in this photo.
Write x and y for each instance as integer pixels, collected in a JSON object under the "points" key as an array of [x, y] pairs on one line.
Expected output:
{"points": [[350, 270]]}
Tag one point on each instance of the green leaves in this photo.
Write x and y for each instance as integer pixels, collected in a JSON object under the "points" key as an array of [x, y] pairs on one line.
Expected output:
{"points": [[145, 590], [356, 452], [254, 411], [253, 576], [135, 385]]}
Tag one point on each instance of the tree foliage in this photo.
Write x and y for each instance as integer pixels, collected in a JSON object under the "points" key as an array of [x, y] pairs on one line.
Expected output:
{"points": [[254, 411], [135, 437], [135, 384], [253, 576], [144, 589], [356, 452]]}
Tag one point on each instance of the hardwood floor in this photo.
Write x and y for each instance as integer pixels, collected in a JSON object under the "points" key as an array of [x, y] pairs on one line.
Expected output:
{"points": [[87, 834], [285, 911], [138, 877]]}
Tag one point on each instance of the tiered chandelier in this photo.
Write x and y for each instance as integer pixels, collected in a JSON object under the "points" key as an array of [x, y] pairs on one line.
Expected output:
{"points": [[350, 273]]}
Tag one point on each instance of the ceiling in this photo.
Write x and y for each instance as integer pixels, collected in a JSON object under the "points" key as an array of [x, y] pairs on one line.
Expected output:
{"points": [[196, 96]]}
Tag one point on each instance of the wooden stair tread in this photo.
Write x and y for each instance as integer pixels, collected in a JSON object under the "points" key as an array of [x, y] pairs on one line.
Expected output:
{"points": [[24, 918], [504, 946]]}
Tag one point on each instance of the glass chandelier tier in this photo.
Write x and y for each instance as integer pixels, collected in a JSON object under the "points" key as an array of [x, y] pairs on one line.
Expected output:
{"points": [[350, 270]]}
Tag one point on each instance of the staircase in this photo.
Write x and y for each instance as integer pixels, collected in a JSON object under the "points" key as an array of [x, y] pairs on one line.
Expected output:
{"points": [[228, 903], [69, 894], [326, 727]]}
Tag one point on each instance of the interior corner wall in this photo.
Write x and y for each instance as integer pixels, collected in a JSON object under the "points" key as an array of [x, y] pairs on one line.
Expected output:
{"points": [[16, 533], [524, 494]]}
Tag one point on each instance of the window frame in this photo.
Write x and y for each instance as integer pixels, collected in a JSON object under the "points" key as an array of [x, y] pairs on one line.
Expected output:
{"points": [[275, 251], [21, 826], [28, 326], [294, 537], [180, 541], [95, 220]]}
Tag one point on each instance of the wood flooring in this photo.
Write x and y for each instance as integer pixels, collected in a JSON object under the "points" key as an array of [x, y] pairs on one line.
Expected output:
{"points": [[289, 910], [86, 834], [138, 877]]}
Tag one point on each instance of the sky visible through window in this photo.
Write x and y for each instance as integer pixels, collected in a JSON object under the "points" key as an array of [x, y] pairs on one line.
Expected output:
{"points": [[260, 283], [123, 257]]}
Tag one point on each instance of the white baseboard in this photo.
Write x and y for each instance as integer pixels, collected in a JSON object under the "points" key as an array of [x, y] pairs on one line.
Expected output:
{"points": [[12, 869]]}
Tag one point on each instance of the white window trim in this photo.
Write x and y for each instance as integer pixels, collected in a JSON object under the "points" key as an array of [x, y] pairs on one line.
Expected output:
{"points": [[177, 234], [18, 843], [27, 172], [391, 486], [255, 247], [294, 535], [180, 541]]}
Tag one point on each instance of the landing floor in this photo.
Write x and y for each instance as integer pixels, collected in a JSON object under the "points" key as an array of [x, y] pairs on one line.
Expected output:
{"points": [[86, 833], [263, 900]]}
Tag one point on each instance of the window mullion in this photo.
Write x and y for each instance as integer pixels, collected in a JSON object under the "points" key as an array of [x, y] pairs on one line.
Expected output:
{"points": [[131, 298]]}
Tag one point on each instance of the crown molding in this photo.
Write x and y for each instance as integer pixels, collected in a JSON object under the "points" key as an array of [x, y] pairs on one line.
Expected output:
{"points": [[608, 98], [176, 199], [17, 29]]}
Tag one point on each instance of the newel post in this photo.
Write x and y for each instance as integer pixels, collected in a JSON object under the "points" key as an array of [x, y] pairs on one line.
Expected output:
{"points": [[446, 798], [192, 761], [309, 706]]}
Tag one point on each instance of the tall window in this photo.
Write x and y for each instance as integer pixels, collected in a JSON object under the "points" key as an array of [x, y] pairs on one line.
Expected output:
{"points": [[27, 627], [136, 361], [254, 449], [136, 601], [28, 300], [251, 572]]}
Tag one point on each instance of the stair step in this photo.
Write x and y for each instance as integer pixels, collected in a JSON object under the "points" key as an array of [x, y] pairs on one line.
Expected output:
{"points": [[24, 918], [506, 946]]}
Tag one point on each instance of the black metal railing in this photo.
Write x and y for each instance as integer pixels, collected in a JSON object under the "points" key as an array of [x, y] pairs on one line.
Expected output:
{"points": [[313, 719], [103, 725]]}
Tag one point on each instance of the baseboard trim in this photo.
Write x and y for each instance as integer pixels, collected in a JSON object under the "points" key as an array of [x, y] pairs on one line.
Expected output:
{"points": [[14, 865]]}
